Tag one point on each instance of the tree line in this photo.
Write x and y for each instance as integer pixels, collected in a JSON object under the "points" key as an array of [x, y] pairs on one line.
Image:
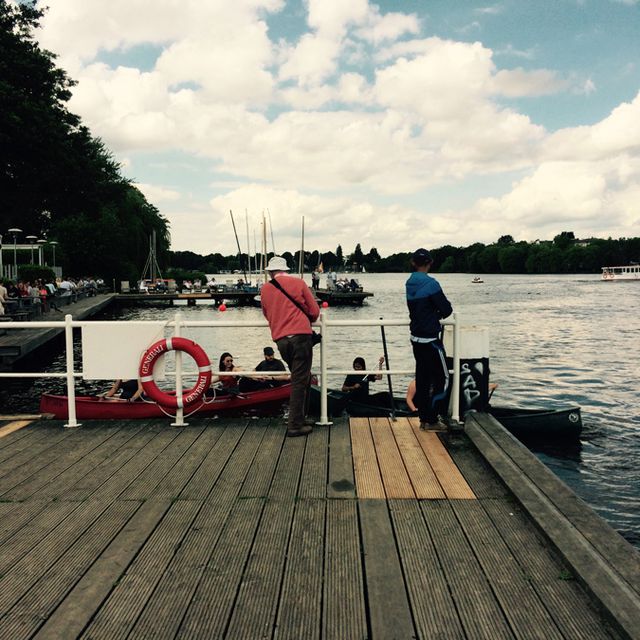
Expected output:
{"points": [[564, 254]]}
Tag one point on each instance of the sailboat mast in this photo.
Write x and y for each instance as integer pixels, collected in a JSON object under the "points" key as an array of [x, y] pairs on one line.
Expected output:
{"points": [[238, 243], [301, 261], [264, 244], [246, 219]]}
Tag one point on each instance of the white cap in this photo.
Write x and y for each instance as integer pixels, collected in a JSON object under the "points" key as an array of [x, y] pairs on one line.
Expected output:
{"points": [[277, 263]]}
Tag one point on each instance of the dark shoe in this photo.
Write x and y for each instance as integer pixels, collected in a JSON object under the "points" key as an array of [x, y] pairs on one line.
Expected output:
{"points": [[300, 431], [309, 423], [433, 426]]}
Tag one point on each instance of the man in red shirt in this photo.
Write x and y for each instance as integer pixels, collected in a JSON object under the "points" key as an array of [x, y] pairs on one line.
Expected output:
{"points": [[290, 308]]}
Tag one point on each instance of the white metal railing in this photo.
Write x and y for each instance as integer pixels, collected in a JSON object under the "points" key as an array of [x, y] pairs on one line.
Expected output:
{"points": [[324, 323]]}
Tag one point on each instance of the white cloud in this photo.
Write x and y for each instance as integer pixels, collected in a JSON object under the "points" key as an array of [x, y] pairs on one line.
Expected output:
{"points": [[156, 193]]}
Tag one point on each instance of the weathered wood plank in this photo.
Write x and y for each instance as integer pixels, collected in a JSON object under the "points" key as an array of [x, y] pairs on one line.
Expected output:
{"points": [[394, 475], [365, 462], [127, 598], [509, 583], [84, 487], [164, 611], [300, 609], [30, 530], [341, 483], [434, 611], [260, 476], [81, 602], [212, 603], [423, 479], [389, 611], [562, 595], [174, 482], [254, 612], [31, 477], [287, 475], [479, 612], [207, 474], [618, 552], [344, 601], [451, 480], [136, 465], [608, 582], [11, 439], [15, 425], [21, 577], [482, 479], [87, 464], [313, 479], [144, 484]]}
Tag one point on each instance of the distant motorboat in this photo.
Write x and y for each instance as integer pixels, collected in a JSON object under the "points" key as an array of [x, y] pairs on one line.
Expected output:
{"points": [[477, 280]]}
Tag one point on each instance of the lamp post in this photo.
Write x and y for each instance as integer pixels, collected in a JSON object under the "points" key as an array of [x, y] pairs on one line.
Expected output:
{"points": [[31, 239], [41, 242], [53, 243], [14, 232]]}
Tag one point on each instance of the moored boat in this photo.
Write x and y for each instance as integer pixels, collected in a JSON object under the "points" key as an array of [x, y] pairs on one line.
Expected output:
{"points": [[629, 272], [528, 424], [477, 280], [97, 408]]}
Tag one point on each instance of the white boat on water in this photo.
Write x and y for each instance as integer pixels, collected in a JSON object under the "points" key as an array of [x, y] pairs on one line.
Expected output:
{"points": [[630, 272], [477, 280]]}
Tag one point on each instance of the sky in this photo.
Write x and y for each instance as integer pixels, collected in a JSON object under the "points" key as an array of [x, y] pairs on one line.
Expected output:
{"points": [[393, 125]]}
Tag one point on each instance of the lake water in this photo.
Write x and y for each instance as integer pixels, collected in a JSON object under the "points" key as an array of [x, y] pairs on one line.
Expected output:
{"points": [[555, 340]]}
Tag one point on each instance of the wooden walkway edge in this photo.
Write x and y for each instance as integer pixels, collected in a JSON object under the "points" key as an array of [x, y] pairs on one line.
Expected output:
{"points": [[605, 563]]}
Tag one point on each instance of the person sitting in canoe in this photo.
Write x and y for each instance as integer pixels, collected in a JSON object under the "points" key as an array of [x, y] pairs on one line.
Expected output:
{"points": [[271, 364], [357, 385], [226, 384], [130, 390]]}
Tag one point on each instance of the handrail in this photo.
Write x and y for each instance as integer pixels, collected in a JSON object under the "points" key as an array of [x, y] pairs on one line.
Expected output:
{"points": [[324, 323]]}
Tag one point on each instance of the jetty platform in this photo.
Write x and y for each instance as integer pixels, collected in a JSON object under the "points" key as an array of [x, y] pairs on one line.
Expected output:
{"points": [[365, 529], [15, 344]]}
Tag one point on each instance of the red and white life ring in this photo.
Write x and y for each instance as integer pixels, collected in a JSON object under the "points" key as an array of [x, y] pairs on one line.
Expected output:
{"points": [[188, 396]]}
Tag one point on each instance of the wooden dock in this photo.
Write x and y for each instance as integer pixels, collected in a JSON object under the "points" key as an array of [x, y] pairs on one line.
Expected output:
{"points": [[230, 530], [15, 344]]}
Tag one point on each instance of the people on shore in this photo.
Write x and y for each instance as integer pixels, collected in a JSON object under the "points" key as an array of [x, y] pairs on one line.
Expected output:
{"points": [[290, 307], [427, 306], [357, 384]]}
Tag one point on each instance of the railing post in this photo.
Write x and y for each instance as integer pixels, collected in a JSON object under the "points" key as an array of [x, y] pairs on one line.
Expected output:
{"points": [[455, 405], [179, 411], [324, 418], [71, 389]]}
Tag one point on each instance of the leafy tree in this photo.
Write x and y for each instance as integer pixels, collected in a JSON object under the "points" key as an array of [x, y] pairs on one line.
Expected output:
{"points": [[339, 257], [564, 240], [503, 240]]}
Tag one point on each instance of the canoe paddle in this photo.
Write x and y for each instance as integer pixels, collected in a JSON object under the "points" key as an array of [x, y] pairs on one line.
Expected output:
{"points": [[386, 363]]}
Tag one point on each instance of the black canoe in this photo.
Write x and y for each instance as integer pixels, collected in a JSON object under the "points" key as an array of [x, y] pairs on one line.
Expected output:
{"points": [[527, 424]]}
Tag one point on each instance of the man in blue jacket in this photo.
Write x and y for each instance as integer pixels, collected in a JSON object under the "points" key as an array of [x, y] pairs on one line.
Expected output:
{"points": [[427, 305]]}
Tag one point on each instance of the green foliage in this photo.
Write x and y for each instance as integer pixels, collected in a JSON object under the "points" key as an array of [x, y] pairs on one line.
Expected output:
{"points": [[33, 272], [58, 181]]}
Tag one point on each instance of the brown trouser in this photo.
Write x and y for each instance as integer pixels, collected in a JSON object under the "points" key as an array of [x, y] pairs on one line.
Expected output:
{"points": [[297, 352]]}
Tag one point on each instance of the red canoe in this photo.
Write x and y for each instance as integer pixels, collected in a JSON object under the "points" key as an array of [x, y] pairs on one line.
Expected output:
{"points": [[95, 408]]}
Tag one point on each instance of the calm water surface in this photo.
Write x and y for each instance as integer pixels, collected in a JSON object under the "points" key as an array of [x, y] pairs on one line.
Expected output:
{"points": [[555, 340]]}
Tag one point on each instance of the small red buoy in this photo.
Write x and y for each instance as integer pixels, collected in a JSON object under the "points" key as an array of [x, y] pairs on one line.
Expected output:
{"points": [[222, 307], [325, 304]]}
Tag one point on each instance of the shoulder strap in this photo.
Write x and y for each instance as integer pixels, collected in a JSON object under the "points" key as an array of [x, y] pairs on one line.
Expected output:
{"points": [[277, 285]]}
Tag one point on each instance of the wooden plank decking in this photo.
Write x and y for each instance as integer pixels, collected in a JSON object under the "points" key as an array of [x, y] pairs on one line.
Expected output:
{"points": [[231, 530]]}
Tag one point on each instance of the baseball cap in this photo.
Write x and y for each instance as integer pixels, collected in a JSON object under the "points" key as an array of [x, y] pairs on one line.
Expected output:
{"points": [[268, 351], [421, 256]]}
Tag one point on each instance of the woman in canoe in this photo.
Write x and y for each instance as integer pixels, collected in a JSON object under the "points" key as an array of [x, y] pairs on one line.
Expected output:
{"points": [[357, 384]]}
